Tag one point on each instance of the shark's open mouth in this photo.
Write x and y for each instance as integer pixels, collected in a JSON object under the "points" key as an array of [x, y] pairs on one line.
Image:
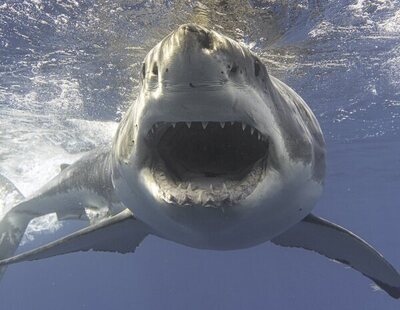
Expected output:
{"points": [[207, 163]]}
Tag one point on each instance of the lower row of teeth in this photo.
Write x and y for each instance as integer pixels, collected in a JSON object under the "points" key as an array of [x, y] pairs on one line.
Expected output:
{"points": [[204, 198], [190, 194]]}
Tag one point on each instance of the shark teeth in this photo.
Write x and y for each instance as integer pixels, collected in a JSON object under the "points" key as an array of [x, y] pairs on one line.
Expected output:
{"points": [[191, 187], [205, 125], [223, 194]]}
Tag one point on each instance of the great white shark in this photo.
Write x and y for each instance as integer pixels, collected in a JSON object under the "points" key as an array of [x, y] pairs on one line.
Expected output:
{"points": [[214, 154]]}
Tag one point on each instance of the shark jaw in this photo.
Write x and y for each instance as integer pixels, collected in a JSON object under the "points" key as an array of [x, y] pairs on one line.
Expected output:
{"points": [[210, 164]]}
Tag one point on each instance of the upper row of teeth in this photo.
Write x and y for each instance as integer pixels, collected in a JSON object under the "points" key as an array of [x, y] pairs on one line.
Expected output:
{"points": [[222, 124]]}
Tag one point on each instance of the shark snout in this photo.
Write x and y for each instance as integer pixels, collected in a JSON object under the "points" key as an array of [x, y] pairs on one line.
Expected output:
{"points": [[195, 36], [198, 75], [195, 57]]}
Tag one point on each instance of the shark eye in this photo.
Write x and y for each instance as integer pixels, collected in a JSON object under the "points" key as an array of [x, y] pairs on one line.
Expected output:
{"points": [[155, 69], [144, 70], [257, 67]]}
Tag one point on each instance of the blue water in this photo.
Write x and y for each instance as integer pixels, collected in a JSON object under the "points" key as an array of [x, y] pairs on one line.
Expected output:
{"points": [[69, 69]]}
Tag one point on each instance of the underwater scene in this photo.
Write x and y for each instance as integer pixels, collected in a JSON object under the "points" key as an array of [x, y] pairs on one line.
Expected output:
{"points": [[82, 75]]}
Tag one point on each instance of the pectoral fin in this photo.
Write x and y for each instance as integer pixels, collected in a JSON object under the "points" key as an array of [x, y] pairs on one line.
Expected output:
{"points": [[120, 233], [339, 244]]}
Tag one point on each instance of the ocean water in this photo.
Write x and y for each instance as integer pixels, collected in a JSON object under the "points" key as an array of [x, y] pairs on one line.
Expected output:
{"points": [[68, 71]]}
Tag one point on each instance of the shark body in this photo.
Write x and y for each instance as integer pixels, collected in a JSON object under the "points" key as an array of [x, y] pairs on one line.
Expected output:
{"points": [[214, 154]]}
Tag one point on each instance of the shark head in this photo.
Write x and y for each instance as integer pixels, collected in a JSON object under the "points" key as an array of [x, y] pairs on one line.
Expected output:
{"points": [[214, 142]]}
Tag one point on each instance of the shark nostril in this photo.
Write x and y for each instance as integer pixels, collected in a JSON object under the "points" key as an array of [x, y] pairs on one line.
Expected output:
{"points": [[234, 68]]}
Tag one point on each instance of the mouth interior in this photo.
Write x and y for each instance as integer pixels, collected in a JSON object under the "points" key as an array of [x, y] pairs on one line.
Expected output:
{"points": [[207, 162]]}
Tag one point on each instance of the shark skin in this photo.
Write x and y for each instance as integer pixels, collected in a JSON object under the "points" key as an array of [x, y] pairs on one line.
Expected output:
{"points": [[214, 154]]}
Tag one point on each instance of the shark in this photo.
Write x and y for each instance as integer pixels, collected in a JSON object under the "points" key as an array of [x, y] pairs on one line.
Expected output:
{"points": [[215, 153]]}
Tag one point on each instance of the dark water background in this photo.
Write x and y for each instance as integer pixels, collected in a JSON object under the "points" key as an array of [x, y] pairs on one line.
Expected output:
{"points": [[69, 69]]}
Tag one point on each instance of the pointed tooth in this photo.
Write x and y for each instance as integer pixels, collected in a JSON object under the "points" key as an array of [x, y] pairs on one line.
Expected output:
{"points": [[188, 124], [243, 126], [224, 187], [252, 130], [181, 200], [204, 124], [199, 196], [259, 136], [232, 123], [173, 125], [222, 124], [189, 188], [179, 185], [211, 188]]}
